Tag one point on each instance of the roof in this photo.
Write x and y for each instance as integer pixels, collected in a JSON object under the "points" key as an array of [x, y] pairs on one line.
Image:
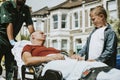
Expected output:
{"points": [[71, 4], [65, 5], [68, 4], [41, 12]]}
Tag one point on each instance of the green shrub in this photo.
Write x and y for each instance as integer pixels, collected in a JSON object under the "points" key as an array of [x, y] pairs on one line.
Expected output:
{"points": [[116, 27], [25, 37]]}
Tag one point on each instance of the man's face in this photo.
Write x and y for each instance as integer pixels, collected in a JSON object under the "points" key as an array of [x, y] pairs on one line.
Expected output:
{"points": [[39, 35], [20, 2], [96, 20]]}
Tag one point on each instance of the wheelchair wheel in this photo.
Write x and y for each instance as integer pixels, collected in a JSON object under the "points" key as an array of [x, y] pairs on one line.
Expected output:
{"points": [[53, 75]]}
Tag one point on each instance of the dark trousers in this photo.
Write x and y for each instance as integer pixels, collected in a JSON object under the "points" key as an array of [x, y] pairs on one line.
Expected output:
{"points": [[5, 49]]}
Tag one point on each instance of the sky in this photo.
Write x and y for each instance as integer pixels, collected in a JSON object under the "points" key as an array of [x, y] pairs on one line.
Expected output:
{"points": [[38, 4]]}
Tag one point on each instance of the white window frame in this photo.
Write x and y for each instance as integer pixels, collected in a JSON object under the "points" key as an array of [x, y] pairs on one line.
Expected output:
{"points": [[112, 8], [55, 45], [76, 19], [55, 22], [62, 44], [64, 21]]}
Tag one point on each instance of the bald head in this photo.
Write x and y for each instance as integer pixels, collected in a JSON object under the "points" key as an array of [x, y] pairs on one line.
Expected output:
{"points": [[37, 36]]}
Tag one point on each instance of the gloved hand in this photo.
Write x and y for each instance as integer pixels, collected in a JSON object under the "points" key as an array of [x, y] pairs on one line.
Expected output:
{"points": [[12, 42]]}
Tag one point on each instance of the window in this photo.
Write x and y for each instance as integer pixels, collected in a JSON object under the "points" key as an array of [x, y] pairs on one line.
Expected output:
{"points": [[54, 43], [91, 23], [76, 20], [64, 44], [78, 45], [63, 21], [55, 21], [112, 8]]}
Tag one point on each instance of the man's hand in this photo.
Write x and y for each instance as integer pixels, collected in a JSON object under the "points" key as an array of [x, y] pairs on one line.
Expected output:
{"points": [[12, 42], [78, 57], [55, 57]]}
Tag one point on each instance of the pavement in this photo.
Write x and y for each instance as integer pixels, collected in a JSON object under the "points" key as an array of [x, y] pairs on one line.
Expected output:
{"points": [[2, 77]]}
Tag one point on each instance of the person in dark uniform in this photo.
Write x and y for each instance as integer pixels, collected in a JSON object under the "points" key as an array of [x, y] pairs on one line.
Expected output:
{"points": [[13, 14]]}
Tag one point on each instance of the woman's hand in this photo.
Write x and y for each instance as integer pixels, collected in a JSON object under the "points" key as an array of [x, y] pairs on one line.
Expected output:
{"points": [[91, 60], [78, 57]]}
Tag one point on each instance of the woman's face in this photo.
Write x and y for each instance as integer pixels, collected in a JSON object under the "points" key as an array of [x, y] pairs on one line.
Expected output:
{"points": [[97, 20]]}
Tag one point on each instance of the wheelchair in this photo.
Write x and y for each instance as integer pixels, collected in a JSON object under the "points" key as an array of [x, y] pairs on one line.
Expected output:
{"points": [[33, 72]]}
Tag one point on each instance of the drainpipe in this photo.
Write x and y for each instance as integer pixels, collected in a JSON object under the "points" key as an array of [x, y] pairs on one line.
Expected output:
{"points": [[83, 16], [47, 31]]}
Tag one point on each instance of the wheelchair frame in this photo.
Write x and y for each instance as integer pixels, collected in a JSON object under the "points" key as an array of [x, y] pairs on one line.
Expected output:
{"points": [[49, 74], [37, 75]]}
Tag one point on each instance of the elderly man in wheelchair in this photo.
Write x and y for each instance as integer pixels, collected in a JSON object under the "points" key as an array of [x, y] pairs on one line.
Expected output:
{"points": [[49, 63]]}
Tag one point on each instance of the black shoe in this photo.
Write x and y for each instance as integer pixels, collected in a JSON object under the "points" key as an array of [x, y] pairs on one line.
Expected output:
{"points": [[0, 69]]}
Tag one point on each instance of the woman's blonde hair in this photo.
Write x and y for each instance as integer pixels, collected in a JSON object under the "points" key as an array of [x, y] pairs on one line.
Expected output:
{"points": [[99, 10]]}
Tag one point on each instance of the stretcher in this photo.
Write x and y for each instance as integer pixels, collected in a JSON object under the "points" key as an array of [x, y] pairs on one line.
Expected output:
{"points": [[25, 72], [34, 72]]}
